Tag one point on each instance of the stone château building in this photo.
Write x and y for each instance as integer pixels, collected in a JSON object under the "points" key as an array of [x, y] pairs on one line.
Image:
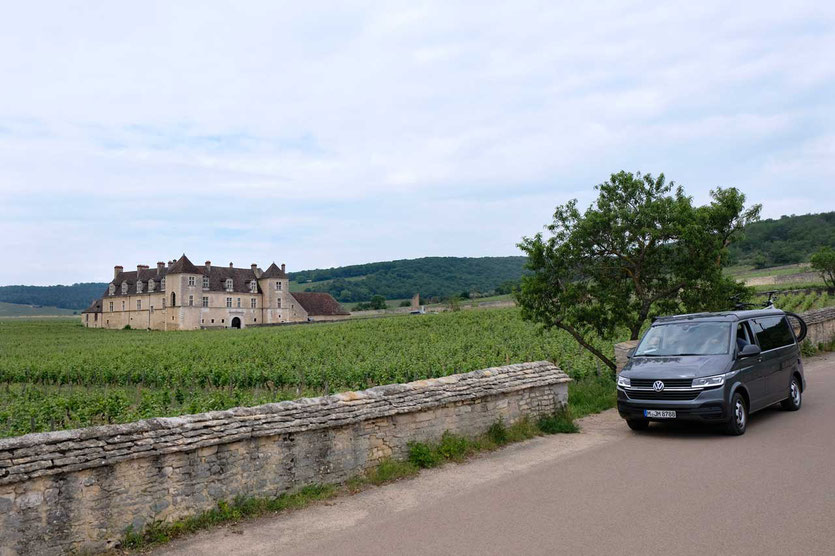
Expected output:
{"points": [[182, 296]]}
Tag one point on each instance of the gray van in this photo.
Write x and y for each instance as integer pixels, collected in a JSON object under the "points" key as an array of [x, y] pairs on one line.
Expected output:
{"points": [[712, 368]]}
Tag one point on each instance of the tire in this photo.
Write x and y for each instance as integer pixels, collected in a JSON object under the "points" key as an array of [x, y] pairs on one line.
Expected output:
{"points": [[792, 403], [739, 416], [637, 424]]}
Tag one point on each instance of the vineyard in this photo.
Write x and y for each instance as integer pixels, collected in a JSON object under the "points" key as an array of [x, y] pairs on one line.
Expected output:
{"points": [[57, 375], [800, 301]]}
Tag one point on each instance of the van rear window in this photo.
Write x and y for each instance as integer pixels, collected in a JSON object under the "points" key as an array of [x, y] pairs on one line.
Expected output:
{"points": [[773, 332]]}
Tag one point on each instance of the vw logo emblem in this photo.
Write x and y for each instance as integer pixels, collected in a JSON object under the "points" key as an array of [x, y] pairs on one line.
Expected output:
{"points": [[657, 385]]}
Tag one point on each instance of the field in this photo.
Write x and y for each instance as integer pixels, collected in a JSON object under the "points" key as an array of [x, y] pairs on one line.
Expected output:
{"points": [[18, 310], [799, 302], [57, 374]]}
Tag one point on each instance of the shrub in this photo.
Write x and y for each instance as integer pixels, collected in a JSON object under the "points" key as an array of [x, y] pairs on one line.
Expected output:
{"points": [[423, 456], [497, 432], [559, 422]]}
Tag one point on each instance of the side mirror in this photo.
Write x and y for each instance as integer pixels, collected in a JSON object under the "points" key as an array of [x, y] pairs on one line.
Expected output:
{"points": [[630, 353], [749, 350]]}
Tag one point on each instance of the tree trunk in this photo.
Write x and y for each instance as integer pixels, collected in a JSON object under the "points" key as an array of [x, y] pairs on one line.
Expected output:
{"points": [[582, 341]]}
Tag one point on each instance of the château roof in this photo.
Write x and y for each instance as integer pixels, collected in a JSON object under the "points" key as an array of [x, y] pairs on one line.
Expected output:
{"points": [[183, 266], [319, 304], [274, 272], [95, 307]]}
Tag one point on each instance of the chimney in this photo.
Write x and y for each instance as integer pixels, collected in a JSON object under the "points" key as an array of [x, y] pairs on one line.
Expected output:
{"points": [[169, 264], [231, 265], [254, 268], [116, 270], [208, 266], [160, 267], [282, 267], [138, 270]]}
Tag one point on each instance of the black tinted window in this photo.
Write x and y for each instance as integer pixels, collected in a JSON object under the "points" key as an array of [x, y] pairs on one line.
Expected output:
{"points": [[773, 332]]}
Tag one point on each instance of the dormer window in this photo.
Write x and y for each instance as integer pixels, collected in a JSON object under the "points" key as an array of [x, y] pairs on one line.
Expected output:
{"points": [[205, 282], [124, 288], [162, 284], [139, 286], [253, 286], [229, 284], [112, 289], [151, 285]]}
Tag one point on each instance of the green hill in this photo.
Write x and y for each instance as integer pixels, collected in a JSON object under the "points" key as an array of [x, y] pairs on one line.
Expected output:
{"points": [[429, 276], [785, 240], [76, 297]]}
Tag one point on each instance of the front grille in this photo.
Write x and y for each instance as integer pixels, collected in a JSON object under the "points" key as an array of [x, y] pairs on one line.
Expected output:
{"points": [[662, 395], [668, 383]]}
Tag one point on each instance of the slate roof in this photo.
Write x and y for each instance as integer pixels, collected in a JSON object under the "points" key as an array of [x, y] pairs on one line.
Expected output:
{"points": [[274, 272], [95, 307], [319, 304], [183, 266]]}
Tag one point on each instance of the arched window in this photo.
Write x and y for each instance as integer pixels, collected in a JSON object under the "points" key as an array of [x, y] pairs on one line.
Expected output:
{"points": [[112, 289], [229, 284], [124, 288], [173, 299], [139, 286]]}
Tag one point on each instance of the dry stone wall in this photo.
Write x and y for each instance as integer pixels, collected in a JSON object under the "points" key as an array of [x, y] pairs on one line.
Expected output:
{"points": [[79, 490]]}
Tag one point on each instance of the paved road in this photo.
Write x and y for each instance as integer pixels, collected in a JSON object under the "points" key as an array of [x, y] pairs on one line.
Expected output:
{"points": [[670, 490]]}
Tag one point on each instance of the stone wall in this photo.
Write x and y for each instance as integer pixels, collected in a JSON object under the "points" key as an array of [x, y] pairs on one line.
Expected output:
{"points": [[821, 323], [80, 489]]}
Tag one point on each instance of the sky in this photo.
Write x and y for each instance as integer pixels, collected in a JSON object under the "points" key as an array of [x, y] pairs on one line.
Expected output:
{"points": [[323, 134]]}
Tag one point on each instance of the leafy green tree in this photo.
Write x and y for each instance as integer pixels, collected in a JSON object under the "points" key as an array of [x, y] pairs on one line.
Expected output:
{"points": [[824, 262], [378, 302], [642, 249]]}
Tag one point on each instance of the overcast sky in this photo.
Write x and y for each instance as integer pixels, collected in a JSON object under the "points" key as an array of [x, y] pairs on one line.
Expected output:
{"points": [[321, 134]]}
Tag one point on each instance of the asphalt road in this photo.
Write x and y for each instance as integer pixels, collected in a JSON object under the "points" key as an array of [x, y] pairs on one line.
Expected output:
{"points": [[669, 490]]}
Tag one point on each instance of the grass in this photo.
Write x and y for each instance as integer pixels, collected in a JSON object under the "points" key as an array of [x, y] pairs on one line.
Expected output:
{"points": [[16, 310]]}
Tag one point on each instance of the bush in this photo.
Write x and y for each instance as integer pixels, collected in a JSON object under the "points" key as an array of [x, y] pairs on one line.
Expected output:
{"points": [[423, 456], [453, 447], [405, 303], [497, 433], [559, 422]]}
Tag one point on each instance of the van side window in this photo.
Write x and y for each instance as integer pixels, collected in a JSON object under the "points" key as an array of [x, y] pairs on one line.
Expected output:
{"points": [[773, 333], [743, 336]]}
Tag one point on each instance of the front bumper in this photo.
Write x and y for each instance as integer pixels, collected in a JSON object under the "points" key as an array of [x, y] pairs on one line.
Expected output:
{"points": [[709, 406]]}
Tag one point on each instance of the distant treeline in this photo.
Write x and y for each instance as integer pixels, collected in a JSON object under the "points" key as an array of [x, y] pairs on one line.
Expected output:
{"points": [[787, 240], [77, 296], [430, 276]]}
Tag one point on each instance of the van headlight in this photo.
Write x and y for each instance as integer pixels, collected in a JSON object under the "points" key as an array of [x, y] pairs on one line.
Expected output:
{"points": [[709, 381], [624, 382]]}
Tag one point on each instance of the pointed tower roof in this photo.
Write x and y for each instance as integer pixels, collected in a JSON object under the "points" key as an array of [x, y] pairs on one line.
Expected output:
{"points": [[184, 266], [274, 272]]}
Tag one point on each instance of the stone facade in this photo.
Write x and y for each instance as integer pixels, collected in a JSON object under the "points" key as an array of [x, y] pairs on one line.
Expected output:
{"points": [[182, 296], [79, 490], [821, 324]]}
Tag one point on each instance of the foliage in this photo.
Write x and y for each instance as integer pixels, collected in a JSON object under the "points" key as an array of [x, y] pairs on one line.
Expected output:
{"points": [[786, 240], [559, 422], [800, 301], [642, 249], [824, 262], [57, 374], [76, 296], [159, 532], [438, 277]]}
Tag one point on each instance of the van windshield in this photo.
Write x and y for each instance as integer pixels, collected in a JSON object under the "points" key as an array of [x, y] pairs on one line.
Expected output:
{"points": [[686, 338]]}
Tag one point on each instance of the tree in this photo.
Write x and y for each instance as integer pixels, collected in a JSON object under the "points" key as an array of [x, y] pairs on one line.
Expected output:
{"points": [[824, 262], [641, 250], [378, 302]]}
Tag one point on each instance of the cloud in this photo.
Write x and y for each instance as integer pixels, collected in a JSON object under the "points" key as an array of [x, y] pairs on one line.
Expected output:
{"points": [[325, 135]]}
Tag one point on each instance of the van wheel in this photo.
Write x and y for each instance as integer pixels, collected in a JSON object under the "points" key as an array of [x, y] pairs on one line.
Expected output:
{"points": [[637, 424], [792, 403], [739, 416]]}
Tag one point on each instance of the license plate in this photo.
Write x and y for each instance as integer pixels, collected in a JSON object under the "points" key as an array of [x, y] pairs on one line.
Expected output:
{"points": [[659, 414]]}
